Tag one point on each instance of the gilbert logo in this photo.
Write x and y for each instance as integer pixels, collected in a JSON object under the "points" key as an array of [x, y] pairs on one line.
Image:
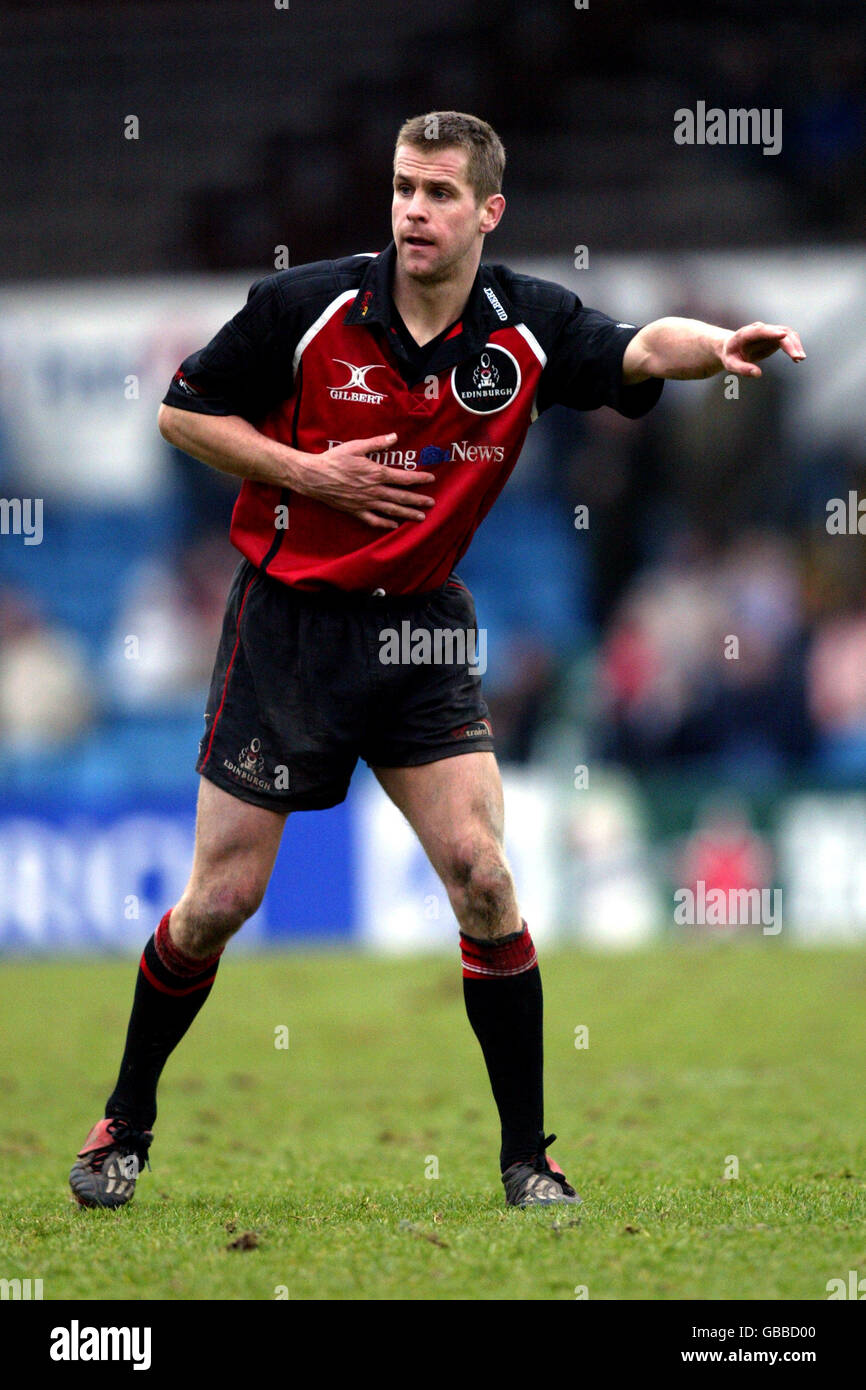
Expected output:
{"points": [[356, 388], [497, 307], [76, 1343]]}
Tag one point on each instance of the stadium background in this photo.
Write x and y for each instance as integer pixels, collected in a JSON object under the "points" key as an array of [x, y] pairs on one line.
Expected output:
{"points": [[261, 128]]}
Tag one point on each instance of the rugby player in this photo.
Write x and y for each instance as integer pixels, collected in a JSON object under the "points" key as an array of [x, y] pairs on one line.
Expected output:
{"points": [[374, 407]]}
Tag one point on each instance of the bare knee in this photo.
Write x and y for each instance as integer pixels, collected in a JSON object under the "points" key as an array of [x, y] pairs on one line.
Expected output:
{"points": [[481, 889], [209, 914]]}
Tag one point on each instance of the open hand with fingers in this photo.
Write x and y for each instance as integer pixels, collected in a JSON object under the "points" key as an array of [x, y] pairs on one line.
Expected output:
{"points": [[347, 479], [742, 349]]}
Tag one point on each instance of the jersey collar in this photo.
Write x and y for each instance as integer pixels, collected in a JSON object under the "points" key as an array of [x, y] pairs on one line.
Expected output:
{"points": [[372, 306]]}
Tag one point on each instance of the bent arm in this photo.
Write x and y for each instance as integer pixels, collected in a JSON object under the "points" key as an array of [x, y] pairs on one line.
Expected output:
{"points": [[232, 445], [343, 477]]}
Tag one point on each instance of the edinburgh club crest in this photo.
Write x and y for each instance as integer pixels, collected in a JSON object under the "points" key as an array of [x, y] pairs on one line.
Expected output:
{"points": [[487, 382]]}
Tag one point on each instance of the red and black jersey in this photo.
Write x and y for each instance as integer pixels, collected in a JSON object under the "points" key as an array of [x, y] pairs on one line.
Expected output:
{"points": [[316, 358]]}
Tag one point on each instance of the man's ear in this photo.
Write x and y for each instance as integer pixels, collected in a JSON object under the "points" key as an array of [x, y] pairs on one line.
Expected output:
{"points": [[491, 213]]}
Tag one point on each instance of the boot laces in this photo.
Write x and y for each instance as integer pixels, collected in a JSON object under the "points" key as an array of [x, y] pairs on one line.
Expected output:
{"points": [[127, 1140], [541, 1165]]}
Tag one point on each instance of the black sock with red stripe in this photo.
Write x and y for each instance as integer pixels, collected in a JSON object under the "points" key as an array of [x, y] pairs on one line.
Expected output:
{"points": [[169, 991], [502, 990]]}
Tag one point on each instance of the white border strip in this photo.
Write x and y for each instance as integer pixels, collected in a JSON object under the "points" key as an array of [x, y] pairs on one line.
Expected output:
{"points": [[539, 352], [317, 327], [533, 342]]}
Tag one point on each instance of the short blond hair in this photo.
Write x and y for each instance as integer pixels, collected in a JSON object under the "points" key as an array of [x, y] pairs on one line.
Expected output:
{"points": [[440, 129]]}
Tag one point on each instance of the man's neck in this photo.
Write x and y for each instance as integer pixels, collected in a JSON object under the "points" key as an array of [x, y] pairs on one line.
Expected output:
{"points": [[428, 309]]}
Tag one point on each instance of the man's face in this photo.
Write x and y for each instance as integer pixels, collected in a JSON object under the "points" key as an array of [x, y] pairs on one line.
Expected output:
{"points": [[436, 221]]}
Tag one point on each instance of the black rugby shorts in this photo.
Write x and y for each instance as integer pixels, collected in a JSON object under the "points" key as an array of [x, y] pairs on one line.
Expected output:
{"points": [[307, 682]]}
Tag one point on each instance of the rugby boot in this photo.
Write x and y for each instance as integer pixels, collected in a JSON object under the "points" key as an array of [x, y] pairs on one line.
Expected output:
{"points": [[540, 1182], [107, 1167]]}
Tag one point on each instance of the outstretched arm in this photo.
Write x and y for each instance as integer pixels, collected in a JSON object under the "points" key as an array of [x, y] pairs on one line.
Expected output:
{"points": [[688, 350]]}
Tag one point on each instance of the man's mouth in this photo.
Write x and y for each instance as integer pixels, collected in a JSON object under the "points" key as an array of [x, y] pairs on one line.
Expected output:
{"points": [[413, 240]]}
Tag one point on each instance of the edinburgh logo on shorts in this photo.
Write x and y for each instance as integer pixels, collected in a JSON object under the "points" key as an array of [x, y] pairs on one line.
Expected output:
{"points": [[250, 765], [250, 758], [488, 381]]}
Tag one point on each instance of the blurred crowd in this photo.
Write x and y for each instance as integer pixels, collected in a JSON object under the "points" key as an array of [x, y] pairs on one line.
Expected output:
{"points": [[800, 60], [703, 617], [584, 99]]}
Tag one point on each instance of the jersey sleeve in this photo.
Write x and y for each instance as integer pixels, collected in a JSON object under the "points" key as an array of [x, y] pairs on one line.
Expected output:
{"points": [[584, 366], [246, 368]]}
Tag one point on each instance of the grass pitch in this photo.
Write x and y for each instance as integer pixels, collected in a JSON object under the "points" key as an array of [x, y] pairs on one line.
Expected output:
{"points": [[319, 1158]]}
